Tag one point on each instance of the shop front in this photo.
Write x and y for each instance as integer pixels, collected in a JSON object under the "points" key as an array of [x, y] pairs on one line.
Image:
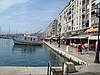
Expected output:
{"points": [[92, 42]]}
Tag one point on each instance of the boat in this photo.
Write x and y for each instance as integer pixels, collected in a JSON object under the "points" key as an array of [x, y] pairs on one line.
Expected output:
{"points": [[27, 40]]}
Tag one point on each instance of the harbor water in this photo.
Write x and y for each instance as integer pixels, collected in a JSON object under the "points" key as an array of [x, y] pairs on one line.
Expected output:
{"points": [[22, 55]]}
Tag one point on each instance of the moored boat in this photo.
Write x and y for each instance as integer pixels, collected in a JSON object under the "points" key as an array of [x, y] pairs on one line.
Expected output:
{"points": [[27, 40]]}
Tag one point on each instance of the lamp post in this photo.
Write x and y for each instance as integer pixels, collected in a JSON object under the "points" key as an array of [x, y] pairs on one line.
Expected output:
{"points": [[97, 51], [59, 41]]}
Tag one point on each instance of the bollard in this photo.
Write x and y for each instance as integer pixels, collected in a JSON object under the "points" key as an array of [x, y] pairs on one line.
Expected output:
{"points": [[69, 67]]}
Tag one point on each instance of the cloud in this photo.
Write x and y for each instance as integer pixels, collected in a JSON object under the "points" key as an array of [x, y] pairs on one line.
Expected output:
{"points": [[24, 18], [29, 15], [5, 4]]}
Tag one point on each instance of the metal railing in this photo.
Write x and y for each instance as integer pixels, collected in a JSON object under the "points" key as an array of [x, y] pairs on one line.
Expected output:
{"points": [[67, 71], [49, 69], [63, 68]]}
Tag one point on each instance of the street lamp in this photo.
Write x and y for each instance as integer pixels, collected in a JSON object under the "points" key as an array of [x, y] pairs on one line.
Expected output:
{"points": [[97, 51], [59, 41]]}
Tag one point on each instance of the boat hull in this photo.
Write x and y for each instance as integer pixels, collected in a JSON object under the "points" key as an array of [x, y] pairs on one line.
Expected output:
{"points": [[36, 43]]}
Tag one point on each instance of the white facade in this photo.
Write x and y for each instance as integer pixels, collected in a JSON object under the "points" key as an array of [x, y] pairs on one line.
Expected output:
{"points": [[70, 17], [51, 29], [77, 15]]}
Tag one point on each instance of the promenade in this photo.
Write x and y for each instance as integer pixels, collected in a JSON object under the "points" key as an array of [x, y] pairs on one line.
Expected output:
{"points": [[88, 67]]}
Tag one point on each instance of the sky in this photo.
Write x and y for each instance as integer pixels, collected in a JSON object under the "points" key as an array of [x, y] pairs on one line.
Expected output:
{"points": [[28, 16]]}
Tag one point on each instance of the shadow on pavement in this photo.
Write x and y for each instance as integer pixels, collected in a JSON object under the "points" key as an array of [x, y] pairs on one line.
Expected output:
{"points": [[88, 73]]}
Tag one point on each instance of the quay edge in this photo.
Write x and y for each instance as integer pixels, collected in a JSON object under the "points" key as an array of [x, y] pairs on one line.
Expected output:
{"points": [[66, 55]]}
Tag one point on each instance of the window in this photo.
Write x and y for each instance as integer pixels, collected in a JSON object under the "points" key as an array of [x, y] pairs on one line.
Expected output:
{"points": [[60, 17], [69, 28], [34, 39], [31, 39], [69, 18], [93, 4], [25, 38], [72, 21], [93, 12], [94, 20], [83, 16]]}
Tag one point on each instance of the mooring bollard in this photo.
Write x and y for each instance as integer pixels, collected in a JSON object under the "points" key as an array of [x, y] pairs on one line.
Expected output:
{"points": [[69, 67]]}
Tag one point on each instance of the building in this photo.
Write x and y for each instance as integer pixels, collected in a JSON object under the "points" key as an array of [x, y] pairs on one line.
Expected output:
{"points": [[78, 15], [79, 21], [51, 30]]}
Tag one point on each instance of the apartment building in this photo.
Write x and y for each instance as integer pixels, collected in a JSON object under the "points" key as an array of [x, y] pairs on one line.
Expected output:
{"points": [[93, 20], [78, 15], [51, 30]]}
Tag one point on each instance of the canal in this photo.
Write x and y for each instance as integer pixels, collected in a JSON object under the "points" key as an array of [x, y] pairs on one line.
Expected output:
{"points": [[20, 55]]}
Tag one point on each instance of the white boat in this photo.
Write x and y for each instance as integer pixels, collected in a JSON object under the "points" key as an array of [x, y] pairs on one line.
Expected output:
{"points": [[27, 40]]}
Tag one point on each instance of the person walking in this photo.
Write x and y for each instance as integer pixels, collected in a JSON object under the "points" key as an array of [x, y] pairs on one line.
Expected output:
{"points": [[86, 47], [80, 48]]}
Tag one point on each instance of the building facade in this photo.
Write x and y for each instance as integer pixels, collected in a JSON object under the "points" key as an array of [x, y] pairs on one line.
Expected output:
{"points": [[51, 30], [78, 15]]}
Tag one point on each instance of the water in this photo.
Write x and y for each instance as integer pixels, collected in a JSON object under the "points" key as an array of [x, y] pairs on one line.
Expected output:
{"points": [[20, 55]]}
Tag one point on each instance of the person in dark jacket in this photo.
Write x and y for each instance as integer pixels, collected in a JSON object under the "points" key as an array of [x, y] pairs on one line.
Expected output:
{"points": [[80, 48]]}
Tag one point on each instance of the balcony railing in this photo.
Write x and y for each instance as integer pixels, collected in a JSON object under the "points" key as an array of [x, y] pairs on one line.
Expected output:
{"points": [[93, 15], [94, 6]]}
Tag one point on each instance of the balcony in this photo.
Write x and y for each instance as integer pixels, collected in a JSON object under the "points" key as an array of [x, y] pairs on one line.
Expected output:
{"points": [[95, 24], [93, 15], [83, 12], [83, 9], [94, 6]]}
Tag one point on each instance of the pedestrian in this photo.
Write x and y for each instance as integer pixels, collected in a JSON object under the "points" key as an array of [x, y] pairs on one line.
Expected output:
{"points": [[79, 49], [86, 47], [80, 46], [50, 41]]}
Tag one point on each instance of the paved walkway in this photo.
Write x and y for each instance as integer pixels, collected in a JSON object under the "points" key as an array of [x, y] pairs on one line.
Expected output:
{"points": [[90, 69], [89, 58], [8, 70]]}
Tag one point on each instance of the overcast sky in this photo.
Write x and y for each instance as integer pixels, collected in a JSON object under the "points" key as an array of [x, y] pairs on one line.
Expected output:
{"points": [[29, 16]]}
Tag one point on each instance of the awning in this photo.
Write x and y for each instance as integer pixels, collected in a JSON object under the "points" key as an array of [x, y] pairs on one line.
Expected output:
{"points": [[55, 38], [78, 37], [88, 30], [47, 38], [85, 22], [95, 30], [94, 38], [64, 37], [91, 30]]}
